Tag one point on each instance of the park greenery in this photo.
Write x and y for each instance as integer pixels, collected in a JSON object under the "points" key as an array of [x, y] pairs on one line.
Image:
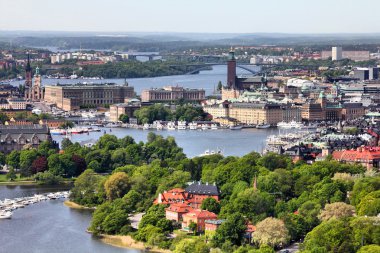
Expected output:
{"points": [[186, 112], [328, 206]]}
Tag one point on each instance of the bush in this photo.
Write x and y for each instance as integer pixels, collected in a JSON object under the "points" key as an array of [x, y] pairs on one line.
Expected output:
{"points": [[47, 178]]}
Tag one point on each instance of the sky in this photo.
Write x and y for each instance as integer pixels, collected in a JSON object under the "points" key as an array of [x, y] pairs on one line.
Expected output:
{"points": [[199, 16]]}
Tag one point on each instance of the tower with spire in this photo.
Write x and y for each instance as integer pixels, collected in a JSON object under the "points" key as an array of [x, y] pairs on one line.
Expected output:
{"points": [[28, 73], [231, 70]]}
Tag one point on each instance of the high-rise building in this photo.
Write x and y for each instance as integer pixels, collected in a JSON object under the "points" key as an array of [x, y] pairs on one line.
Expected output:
{"points": [[336, 53]]}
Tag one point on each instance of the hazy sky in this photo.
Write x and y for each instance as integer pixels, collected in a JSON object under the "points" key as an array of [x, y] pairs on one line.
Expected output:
{"points": [[218, 16]]}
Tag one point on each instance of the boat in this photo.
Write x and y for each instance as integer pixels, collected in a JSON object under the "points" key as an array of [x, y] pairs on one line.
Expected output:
{"points": [[289, 125], [212, 152], [181, 125], [205, 126], [263, 126], [193, 126], [146, 126], [57, 132], [171, 125], [236, 127], [5, 214], [214, 127]]}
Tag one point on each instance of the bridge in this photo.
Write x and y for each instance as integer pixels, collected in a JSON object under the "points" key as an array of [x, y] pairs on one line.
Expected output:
{"points": [[206, 66]]}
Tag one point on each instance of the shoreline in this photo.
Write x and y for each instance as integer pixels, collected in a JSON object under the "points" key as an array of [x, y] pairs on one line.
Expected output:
{"points": [[126, 241], [74, 205]]}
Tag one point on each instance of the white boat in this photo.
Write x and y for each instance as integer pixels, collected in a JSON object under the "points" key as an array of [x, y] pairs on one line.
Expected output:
{"points": [[5, 214], [212, 152], [181, 125], [263, 126], [193, 126], [237, 127], [214, 127], [171, 125], [146, 126], [205, 126], [289, 125]]}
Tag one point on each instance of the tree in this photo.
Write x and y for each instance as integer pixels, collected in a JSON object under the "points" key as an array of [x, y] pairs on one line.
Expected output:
{"points": [[220, 86], [85, 191], [232, 230], [26, 159], [65, 143], [47, 178], [337, 210], [11, 175], [210, 204], [370, 204], [271, 231], [40, 164], [362, 187], [310, 210], [193, 227], [3, 118], [124, 118], [369, 249], [79, 163], [13, 159], [330, 236], [2, 158], [117, 185]]}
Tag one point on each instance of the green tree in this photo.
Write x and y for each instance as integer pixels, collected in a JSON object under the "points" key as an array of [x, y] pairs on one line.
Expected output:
{"points": [[124, 118], [369, 249], [117, 185], [26, 159], [210, 204], [370, 204], [232, 230], [11, 175], [86, 189], [47, 178], [330, 236], [13, 159]]}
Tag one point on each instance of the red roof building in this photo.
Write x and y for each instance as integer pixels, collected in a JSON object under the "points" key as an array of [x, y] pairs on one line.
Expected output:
{"points": [[369, 157], [199, 217], [176, 195], [177, 210]]}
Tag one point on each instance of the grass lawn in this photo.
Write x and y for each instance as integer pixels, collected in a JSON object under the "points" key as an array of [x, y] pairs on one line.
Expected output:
{"points": [[3, 178]]}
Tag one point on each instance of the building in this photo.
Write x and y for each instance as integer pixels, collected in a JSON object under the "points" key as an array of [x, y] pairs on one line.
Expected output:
{"points": [[16, 137], [12, 113], [352, 111], [366, 73], [256, 113], [172, 93], [74, 96], [212, 225], [35, 91], [197, 192], [352, 55], [124, 108], [192, 196], [17, 103], [52, 123], [28, 74], [336, 53], [175, 211], [369, 157], [198, 217]]}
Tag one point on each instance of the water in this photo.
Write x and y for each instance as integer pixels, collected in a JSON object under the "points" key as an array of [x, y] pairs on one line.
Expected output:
{"points": [[207, 80], [48, 226], [194, 142]]}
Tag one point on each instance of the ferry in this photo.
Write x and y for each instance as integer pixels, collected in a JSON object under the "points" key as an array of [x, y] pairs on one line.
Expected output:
{"points": [[181, 125]]}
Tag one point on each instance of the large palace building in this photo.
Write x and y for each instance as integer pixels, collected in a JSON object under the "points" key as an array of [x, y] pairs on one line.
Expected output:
{"points": [[74, 96], [172, 93]]}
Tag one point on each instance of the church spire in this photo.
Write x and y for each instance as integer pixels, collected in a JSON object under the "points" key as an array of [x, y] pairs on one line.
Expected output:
{"points": [[28, 68]]}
